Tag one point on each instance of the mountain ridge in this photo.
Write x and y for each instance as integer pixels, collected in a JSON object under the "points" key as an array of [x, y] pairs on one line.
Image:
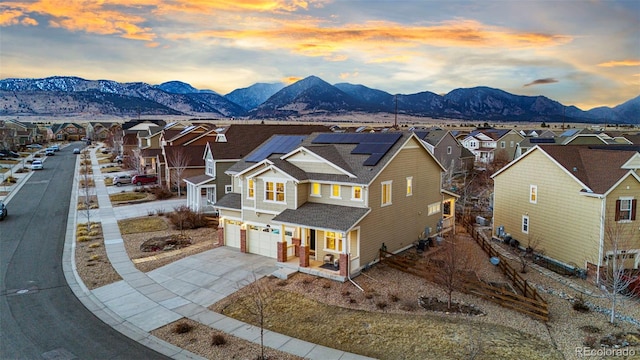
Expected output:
{"points": [[65, 95]]}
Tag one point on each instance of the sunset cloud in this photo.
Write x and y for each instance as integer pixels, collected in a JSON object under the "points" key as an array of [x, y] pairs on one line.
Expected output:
{"points": [[541, 82], [614, 63]]}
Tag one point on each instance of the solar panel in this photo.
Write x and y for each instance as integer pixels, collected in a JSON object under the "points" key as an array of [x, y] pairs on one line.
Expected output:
{"points": [[370, 148], [542, 140], [373, 159], [279, 144]]}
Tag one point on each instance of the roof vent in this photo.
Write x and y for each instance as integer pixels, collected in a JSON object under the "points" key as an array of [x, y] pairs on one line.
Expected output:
{"points": [[575, 169]]}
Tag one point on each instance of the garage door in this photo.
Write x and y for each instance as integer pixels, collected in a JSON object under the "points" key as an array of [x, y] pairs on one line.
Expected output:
{"points": [[232, 233], [263, 241]]}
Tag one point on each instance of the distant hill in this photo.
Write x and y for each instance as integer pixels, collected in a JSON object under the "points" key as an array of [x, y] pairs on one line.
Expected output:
{"points": [[60, 95]]}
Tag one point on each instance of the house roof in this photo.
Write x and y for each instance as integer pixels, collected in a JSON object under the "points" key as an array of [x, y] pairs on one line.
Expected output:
{"points": [[229, 201], [597, 167], [199, 179], [193, 154], [242, 139], [494, 134], [357, 157], [322, 216], [432, 136]]}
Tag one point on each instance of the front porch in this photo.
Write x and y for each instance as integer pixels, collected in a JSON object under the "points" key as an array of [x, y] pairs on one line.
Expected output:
{"points": [[314, 269]]}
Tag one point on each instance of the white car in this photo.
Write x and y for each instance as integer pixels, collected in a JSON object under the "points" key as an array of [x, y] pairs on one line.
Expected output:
{"points": [[36, 165]]}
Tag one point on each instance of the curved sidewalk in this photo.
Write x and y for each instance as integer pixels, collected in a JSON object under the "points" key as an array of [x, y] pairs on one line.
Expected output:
{"points": [[142, 302]]}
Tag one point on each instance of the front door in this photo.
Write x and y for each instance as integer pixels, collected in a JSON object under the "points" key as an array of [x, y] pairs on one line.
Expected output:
{"points": [[312, 243]]}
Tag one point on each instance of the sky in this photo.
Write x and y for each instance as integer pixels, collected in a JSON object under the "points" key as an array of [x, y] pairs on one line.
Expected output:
{"points": [[579, 52]]}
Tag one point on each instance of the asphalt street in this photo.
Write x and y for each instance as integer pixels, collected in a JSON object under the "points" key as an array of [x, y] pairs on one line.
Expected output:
{"points": [[40, 317]]}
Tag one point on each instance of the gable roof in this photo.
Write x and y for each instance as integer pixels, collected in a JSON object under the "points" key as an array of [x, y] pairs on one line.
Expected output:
{"points": [[596, 167], [242, 139], [340, 150]]}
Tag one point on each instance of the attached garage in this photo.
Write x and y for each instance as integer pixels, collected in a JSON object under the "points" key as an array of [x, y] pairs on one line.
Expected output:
{"points": [[232, 233], [263, 240]]}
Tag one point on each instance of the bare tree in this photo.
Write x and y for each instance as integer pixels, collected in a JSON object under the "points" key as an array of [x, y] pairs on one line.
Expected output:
{"points": [[527, 255], [177, 162], [87, 188], [618, 273], [133, 160], [257, 305], [455, 262]]}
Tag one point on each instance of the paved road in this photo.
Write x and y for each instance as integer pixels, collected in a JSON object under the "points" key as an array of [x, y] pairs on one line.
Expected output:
{"points": [[40, 318]]}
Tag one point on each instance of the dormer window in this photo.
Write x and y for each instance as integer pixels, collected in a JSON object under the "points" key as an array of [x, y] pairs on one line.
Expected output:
{"points": [[356, 193], [210, 168], [274, 191], [335, 191], [221, 138]]}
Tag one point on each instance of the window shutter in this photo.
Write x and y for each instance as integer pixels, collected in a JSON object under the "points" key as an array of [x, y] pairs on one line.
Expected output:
{"points": [[634, 207], [617, 210]]}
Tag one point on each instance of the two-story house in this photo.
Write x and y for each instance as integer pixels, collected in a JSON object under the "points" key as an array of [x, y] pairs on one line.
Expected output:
{"points": [[226, 146], [68, 132], [446, 148], [567, 198], [326, 204], [490, 144]]}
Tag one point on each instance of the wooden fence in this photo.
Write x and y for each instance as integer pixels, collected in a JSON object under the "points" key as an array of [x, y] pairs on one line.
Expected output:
{"points": [[528, 302]]}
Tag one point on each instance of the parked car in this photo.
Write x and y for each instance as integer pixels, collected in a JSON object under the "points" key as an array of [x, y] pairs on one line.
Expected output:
{"points": [[3, 210], [144, 179], [120, 158], [49, 152], [36, 165], [34, 146], [105, 150], [119, 180], [9, 154], [76, 151], [55, 147]]}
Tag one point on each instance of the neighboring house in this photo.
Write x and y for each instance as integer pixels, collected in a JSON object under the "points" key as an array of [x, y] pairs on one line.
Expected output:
{"points": [[446, 149], [223, 148], [15, 134], [101, 131], [567, 198], [489, 144], [68, 132], [326, 204]]}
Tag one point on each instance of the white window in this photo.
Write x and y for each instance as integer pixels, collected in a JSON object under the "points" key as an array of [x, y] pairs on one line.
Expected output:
{"points": [[210, 168], [315, 189], [333, 241], [221, 138], [386, 193], [533, 194], [251, 189], [625, 209], [356, 193], [449, 150], [335, 191], [228, 189], [525, 224], [274, 191], [511, 144], [211, 195], [433, 208], [410, 186]]}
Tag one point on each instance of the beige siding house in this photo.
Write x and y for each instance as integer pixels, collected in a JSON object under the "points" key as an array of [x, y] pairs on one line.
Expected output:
{"points": [[566, 198], [326, 204]]}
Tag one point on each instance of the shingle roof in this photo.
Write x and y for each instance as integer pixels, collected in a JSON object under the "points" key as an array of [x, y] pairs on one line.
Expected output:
{"points": [[199, 179], [242, 139], [229, 201], [597, 167], [323, 216]]}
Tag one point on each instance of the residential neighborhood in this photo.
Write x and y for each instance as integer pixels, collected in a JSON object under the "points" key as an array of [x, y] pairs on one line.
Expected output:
{"points": [[337, 203]]}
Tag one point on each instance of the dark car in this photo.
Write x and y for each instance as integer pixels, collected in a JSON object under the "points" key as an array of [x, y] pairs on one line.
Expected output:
{"points": [[3, 210], [8, 154], [144, 179]]}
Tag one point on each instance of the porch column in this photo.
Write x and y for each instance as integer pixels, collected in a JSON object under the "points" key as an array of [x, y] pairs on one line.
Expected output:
{"points": [[304, 256], [282, 251], [243, 240], [220, 236], [344, 264], [296, 246]]}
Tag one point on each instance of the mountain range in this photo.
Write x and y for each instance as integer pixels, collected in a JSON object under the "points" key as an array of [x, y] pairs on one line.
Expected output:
{"points": [[63, 95]]}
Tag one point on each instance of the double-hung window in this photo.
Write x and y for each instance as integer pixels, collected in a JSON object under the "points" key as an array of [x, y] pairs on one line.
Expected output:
{"points": [[274, 191], [315, 189], [525, 224], [333, 241], [356, 193], [626, 209], [251, 189], [335, 191], [410, 186], [533, 194], [386, 193]]}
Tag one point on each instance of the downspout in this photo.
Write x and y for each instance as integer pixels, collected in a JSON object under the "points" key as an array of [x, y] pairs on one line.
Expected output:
{"points": [[349, 265], [601, 244]]}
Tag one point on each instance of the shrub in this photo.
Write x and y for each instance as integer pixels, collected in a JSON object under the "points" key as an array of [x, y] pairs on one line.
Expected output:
{"points": [[83, 238], [580, 306], [94, 245], [282, 283], [160, 212], [326, 285], [94, 233], [218, 339], [591, 341], [184, 218], [160, 192], [94, 258], [368, 295], [345, 293], [394, 297], [182, 327], [409, 306], [352, 301], [381, 305], [306, 281]]}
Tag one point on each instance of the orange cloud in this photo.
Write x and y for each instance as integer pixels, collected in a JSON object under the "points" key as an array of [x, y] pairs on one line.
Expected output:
{"points": [[10, 17], [379, 37], [618, 63], [207, 6], [348, 75], [291, 79], [88, 16]]}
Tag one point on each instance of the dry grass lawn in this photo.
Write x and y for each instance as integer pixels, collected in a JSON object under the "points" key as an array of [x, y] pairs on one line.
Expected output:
{"points": [[128, 196], [142, 225]]}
